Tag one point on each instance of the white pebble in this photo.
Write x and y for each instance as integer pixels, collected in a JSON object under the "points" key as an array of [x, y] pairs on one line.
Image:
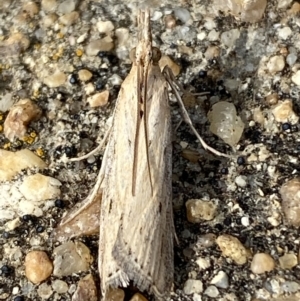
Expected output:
{"points": [[220, 280], [241, 181], [192, 286], [156, 15], [245, 221], [284, 33], [182, 14], [296, 78], [276, 64], [211, 291]]}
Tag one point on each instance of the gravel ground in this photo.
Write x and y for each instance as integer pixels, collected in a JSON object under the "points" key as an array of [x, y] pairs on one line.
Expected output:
{"points": [[253, 65]]}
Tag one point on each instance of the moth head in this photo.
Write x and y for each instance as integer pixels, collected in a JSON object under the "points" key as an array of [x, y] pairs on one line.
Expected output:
{"points": [[155, 55]]}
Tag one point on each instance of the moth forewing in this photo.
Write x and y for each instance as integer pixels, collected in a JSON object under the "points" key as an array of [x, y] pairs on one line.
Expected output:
{"points": [[136, 229]]}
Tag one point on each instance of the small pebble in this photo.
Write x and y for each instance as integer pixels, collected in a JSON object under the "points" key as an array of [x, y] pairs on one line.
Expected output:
{"points": [[87, 290], [84, 75], [20, 115], [105, 27], [182, 14], [71, 258], [248, 11], [220, 280], [66, 6], [288, 261], [31, 8], [211, 291], [38, 267], [231, 247], [69, 18], [286, 126], [272, 99], [198, 210], [6, 270], [138, 297], [296, 78], [283, 112], [203, 263], [229, 38], [99, 99], [206, 241], [11, 163], [262, 263], [284, 33], [193, 286], [290, 194], [44, 291], [276, 64], [291, 59], [241, 181], [170, 21], [225, 123], [59, 286], [212, 52], [105, 44], [49, 5], [38, 188], [55, 80], [290, 287]]}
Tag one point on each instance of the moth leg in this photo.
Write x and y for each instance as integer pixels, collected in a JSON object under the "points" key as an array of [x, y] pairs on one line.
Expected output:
{"points": [[94, 151], [171, 80]]}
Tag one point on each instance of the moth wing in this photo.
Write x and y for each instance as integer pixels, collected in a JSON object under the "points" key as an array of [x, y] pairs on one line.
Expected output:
{"points": [[137, 244]]}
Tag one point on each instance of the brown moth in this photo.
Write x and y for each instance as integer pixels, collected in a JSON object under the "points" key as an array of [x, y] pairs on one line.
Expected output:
{"points": [[135, 181]]}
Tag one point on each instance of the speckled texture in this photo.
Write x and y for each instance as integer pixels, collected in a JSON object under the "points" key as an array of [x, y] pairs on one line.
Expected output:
{"points": [[217, 53]]}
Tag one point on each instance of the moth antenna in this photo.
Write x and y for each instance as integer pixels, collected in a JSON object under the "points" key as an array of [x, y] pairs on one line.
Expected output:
{"points": [[143, 60]]}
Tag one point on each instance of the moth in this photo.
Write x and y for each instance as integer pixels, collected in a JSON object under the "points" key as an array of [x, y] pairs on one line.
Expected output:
{"points": [[131, 202], [135, 182]]}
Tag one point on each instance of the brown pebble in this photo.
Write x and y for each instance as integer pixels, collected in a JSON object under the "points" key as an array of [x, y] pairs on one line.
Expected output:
{"points": [[231, 247], [38, 266], [105, 44], [138, 297], [212, 52], [31, 8], [99, 99], [11, 163], [84, 75], [55, 80], [295, 9], [166, 61], [86, 290], [290, 194], [170, 21], [283, 112], [14, 45], [19, 116], [272, 99], [262, 263], [69, 18], [288, 261], [199, 210]]}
